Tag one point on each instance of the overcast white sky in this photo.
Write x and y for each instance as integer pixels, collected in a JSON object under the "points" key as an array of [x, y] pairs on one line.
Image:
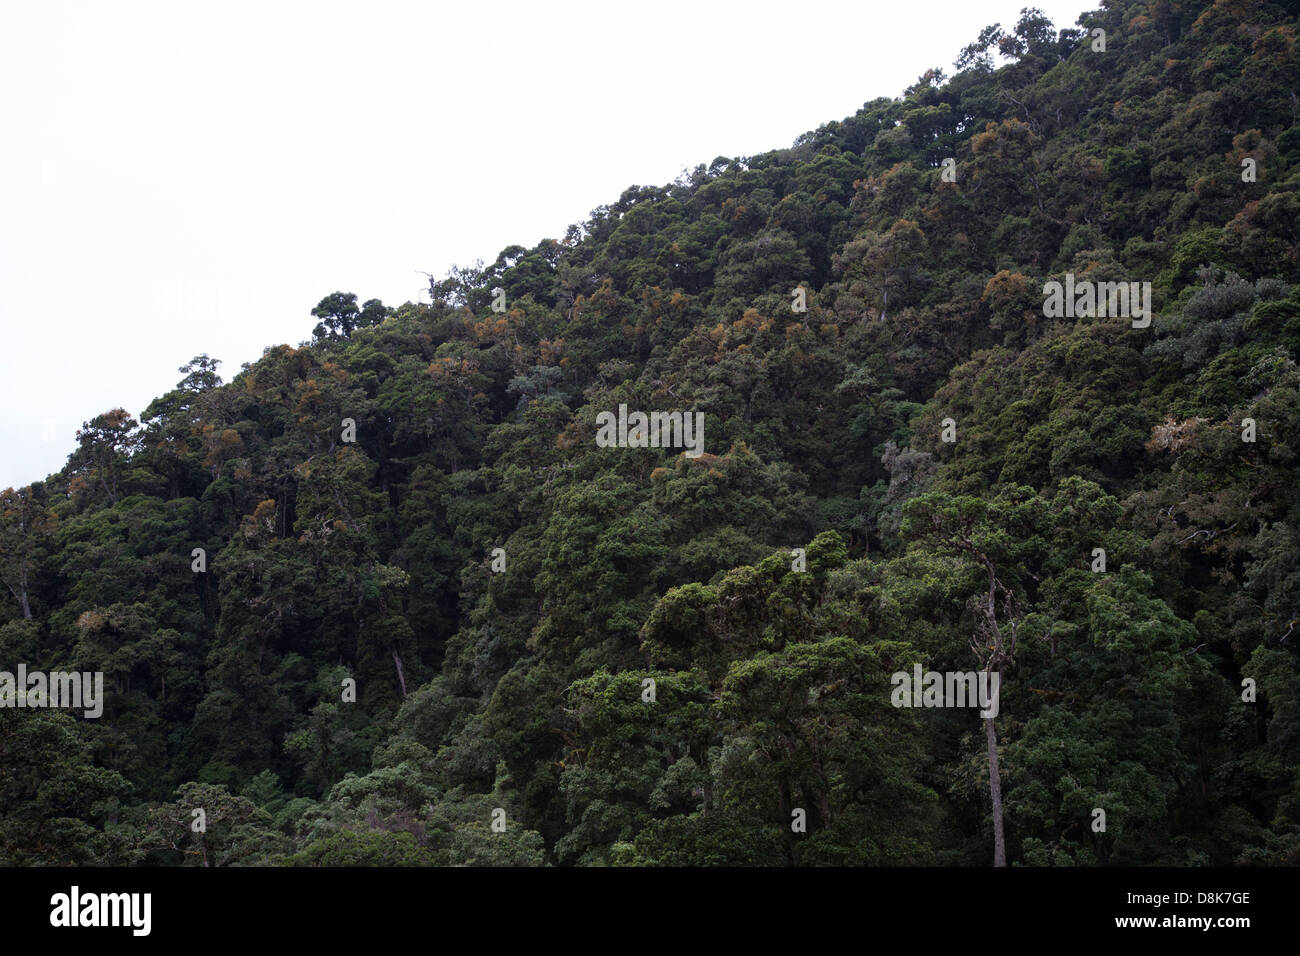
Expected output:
{"points": [[178, 177]]}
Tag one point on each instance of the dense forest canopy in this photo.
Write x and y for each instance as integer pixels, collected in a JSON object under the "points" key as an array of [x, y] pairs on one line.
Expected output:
{"points": [[384, 598]]}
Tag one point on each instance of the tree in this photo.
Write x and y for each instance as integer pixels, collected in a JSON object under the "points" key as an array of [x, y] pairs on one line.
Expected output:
{"points": [[883, 263], [55, 803], [1035, 32], [26, 525], [976, 531], [103, 446], [210, 826], [340, 317], [975, 56], [810, 722], [200, 374]]}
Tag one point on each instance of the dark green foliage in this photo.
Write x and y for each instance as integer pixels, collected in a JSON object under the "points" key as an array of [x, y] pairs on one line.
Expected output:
{"points": [[676, 659]]}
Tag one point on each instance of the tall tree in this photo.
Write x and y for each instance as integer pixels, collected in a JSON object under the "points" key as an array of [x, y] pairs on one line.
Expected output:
{"points": [[26, 524]]}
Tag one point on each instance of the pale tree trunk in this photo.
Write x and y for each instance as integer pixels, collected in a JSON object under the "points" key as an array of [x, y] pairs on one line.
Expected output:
{"points": [[995, 791], [22, 586], [994, 666], [20, 594], [401, 678]]}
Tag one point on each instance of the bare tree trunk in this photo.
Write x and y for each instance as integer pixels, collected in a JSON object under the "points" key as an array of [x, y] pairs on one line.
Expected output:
{"points": [[21, 597], [22, 585], [1000, 653], [995, 791], [401, 678]]}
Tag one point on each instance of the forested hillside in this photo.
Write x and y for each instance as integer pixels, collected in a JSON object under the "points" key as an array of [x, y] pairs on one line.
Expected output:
{"points": [[384, 598]]}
